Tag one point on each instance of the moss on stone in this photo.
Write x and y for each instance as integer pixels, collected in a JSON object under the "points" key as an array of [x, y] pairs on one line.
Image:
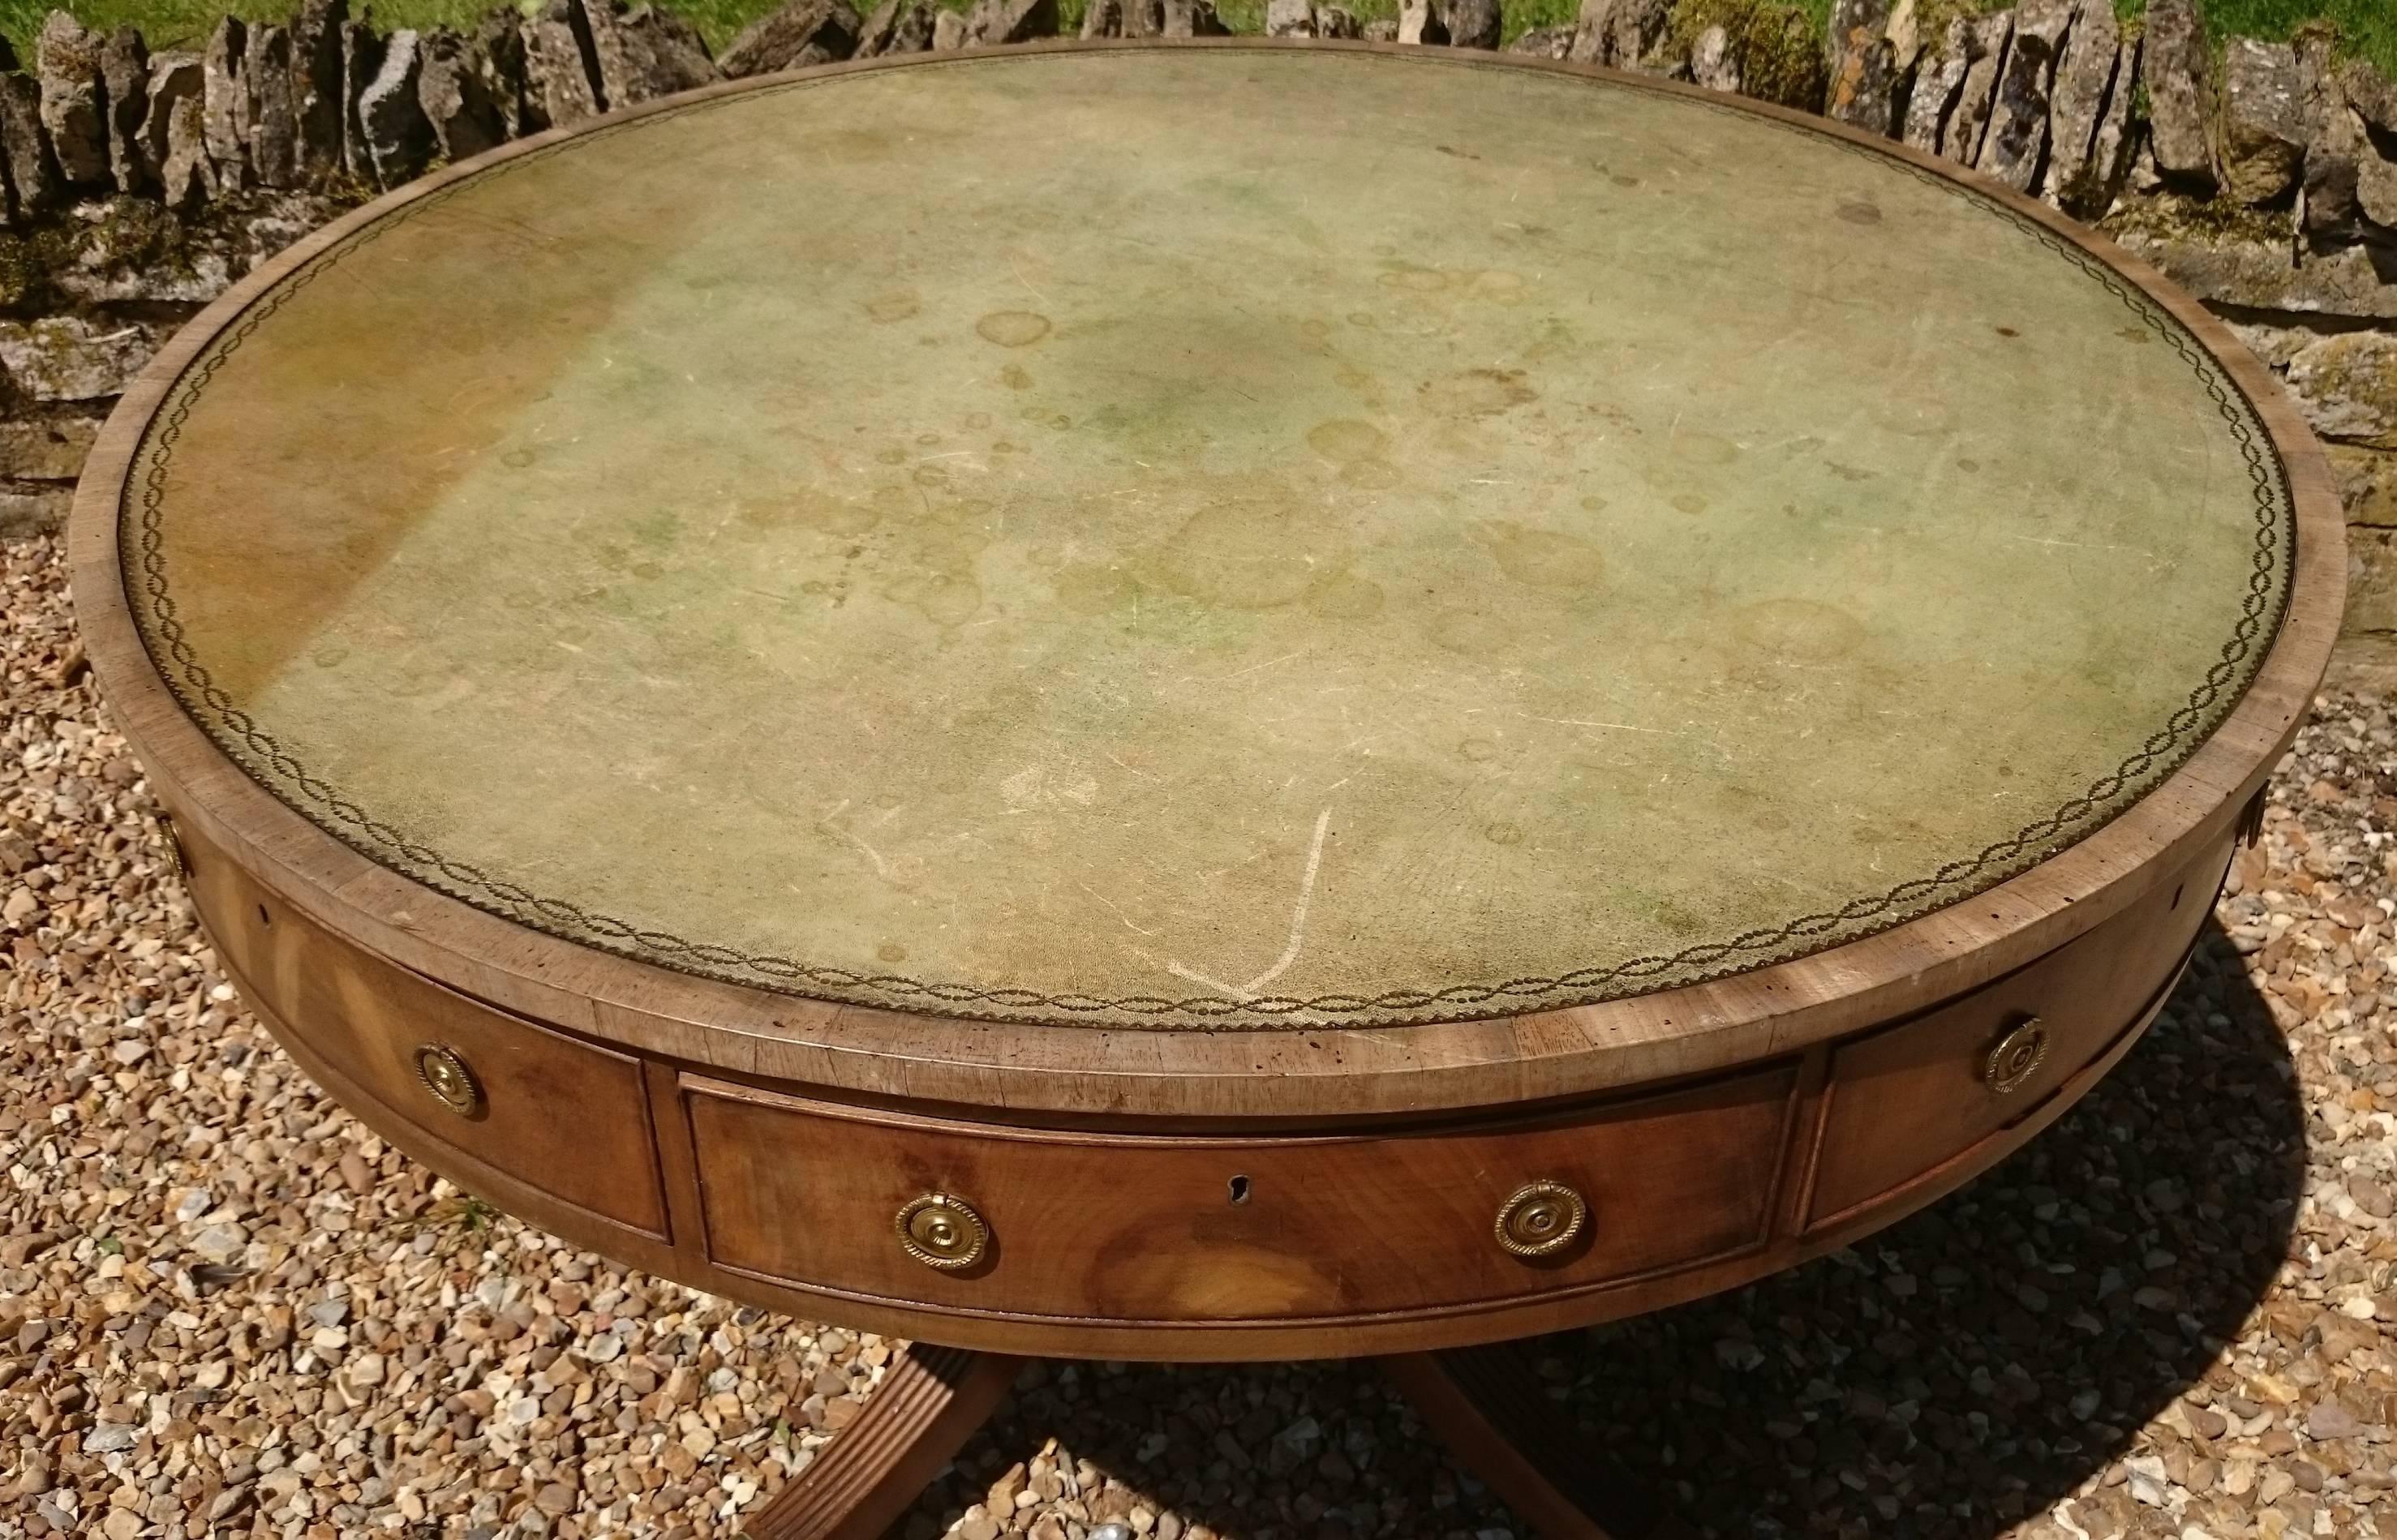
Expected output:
{"points": [[135, 232], [1778, 47], [129, 234], [29, 266], [344, 190], [21, 274], [2208, 220]]}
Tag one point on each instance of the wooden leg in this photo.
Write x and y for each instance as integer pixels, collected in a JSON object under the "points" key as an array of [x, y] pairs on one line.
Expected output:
{"points": [[1486, 1404], [930, 1402]]}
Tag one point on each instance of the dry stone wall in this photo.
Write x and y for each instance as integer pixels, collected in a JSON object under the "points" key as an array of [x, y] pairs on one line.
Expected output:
{"points": [[2262, 176]]}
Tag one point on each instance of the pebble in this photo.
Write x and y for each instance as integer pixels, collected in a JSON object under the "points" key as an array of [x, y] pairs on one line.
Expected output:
{"points": [[220, 1242], [2330, 1420]]}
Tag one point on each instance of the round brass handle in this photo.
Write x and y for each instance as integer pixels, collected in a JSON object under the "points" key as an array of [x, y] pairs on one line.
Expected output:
{"points": [[448, 1080], [2017, 1056], [1541, 1219], [943, 1232]]}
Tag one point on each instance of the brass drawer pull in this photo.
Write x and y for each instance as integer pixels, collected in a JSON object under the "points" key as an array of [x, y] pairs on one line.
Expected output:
{"points": [[447, 1079], [943, 1232], [2017, 1056], [1541, 1219]]}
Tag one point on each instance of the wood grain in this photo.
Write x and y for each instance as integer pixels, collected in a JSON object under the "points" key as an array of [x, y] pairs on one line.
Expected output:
{"points": [[572, 1119], [1915, 1095], [1118, 1239], [1148, 1227]]}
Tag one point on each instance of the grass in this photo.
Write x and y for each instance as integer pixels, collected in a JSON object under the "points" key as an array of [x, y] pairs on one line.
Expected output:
{"points": [[2366, 27], [186, 23]]}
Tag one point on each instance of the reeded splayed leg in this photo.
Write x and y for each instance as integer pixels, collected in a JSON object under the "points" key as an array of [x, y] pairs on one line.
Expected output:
{"points": [[930, 1402], [1486, 1404]]}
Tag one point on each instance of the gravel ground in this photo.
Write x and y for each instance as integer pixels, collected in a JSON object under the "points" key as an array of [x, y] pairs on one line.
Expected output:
{"points": [[226, 1308]]}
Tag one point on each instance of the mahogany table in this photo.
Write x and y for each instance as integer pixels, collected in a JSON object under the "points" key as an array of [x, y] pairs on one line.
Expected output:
{"points": [[1206, 703]]}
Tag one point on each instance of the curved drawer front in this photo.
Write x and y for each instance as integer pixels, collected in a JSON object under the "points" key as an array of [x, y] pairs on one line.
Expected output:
{"points": [[1906, 1100], [1172, 1228], [560, 1115], [1378, 1236]]}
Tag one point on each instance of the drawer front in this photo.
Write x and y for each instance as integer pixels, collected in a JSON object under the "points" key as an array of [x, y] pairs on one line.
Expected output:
{"points": [[560, 1115], [1906, 1100], [1221, 1229]]}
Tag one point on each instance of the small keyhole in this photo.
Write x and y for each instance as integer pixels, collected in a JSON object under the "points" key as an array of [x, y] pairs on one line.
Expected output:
{"points": [[263, 917], [2177, 893], [1240, 1188]]}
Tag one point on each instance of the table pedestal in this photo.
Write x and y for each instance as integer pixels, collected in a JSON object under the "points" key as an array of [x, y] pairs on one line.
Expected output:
{"points": [[1486, 1402]]}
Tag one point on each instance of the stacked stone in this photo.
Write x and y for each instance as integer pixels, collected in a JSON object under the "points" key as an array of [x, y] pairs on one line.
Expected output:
{"points": [[2038, 97], [324, 103], [2041, 98], [1304, 19]]}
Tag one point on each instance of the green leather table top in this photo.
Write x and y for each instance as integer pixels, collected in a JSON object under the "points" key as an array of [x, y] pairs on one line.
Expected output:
{"points": [[1206, 538]]}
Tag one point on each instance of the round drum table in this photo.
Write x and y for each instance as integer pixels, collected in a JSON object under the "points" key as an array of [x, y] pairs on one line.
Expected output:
{"points": [[1206, 703]]}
